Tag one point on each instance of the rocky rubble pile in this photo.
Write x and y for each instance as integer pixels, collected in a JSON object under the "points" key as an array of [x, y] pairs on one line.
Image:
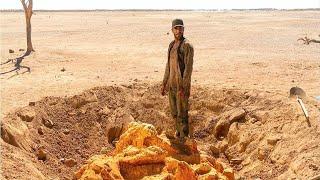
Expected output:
{"points": [[141, 153]]}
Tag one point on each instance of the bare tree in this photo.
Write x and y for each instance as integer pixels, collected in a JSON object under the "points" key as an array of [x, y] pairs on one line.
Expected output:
{"points": [[27, 6], [307, 40]]}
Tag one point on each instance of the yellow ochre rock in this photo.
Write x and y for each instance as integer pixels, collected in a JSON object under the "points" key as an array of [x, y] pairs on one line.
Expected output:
{"points": [[142, 154]]}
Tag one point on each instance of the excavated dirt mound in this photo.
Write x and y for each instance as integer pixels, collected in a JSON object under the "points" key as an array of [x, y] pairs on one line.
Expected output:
{"points": [[259, 134], [142, 154]]}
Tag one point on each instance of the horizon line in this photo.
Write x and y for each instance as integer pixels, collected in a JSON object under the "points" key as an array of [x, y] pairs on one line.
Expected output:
{"points": [[231, 9]]}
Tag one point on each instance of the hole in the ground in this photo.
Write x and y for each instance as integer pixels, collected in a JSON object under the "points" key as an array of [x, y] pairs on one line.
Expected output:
{"points": [[114, 134], [231, 124]]}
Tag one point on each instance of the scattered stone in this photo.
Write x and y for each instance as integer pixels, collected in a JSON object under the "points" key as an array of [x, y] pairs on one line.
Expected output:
{"points": [[47, 122], [148, 104], [40, 130], [83, 110], [246, 162], [239, 177], [156, 71], [253, 120], [226, 119], [258, 123], [222, 146], [32, 103], [236, 161], [212, 175], [282, 161], [26, 114], [72, 113], [85, 98], [237, 114], [313, 167], [135, 80], [261, 154], [214, 150], [70, 162], [115, 129], [63, 69], [273, 140], [203, 168], [21, 49], [16, 133], [245, 140], [66, 131], [130, 86], [42, 154], [219, 166], [228, 172], [233, 134], [11, 51]]}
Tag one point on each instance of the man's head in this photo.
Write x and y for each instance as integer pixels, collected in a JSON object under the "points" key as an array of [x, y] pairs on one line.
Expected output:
{"points": [[177, 28]]}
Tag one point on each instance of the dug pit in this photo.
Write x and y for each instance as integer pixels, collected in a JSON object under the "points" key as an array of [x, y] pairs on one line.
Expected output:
{"points": [[259, 134]]}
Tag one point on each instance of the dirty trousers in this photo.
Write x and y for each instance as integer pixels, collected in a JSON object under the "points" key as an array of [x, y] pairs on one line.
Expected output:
{"points": [[179, 110]]}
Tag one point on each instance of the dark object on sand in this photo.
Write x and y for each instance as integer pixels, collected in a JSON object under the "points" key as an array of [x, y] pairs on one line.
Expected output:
{"points": [[296, 91]]}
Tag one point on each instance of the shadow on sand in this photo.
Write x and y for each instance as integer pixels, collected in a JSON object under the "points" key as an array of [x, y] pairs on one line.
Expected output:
{"points": [[17, 65]]}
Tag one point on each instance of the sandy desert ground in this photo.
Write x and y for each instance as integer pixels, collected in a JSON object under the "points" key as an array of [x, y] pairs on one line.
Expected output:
{"points": [[240, 52]]}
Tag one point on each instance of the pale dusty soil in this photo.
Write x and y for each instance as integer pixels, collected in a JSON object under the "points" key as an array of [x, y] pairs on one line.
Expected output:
{"points": [[238, 50], [246, 60]]}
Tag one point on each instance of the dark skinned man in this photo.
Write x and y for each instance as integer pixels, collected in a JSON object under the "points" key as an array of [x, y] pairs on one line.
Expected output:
{"points": [[177, 78]]}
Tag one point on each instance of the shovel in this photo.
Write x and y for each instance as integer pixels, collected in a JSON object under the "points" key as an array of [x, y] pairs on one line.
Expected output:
{"points": [[300, 94]]}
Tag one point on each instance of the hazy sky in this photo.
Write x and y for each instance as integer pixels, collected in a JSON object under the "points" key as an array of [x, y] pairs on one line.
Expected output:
{"points": [[163, 4]]}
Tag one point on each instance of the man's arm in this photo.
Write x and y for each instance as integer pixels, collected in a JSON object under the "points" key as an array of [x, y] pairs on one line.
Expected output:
{"points": [[165, 79], [188, 56], [166, 75]]}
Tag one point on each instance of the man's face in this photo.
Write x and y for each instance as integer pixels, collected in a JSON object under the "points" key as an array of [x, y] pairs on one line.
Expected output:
{"points": [[178, 31]]}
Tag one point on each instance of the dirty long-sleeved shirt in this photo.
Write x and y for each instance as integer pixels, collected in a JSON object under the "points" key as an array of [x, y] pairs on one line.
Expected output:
{"points": [[173, 77]]}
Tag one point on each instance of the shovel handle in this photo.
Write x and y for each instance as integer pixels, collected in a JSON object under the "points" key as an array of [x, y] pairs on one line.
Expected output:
{"points": [[304, 110]]}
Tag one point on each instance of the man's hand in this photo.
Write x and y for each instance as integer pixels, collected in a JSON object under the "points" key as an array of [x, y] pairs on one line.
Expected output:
{"points": [[163, 90]]}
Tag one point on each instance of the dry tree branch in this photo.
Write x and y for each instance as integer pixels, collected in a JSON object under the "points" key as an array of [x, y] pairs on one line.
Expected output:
{"points": [[307, 40]]}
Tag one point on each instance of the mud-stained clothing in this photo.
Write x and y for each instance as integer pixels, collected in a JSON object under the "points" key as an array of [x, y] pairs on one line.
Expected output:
{"points": [[178, 77]]}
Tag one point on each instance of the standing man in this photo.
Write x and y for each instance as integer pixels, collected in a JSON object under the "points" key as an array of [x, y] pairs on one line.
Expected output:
{"points": [[177, 77]]}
